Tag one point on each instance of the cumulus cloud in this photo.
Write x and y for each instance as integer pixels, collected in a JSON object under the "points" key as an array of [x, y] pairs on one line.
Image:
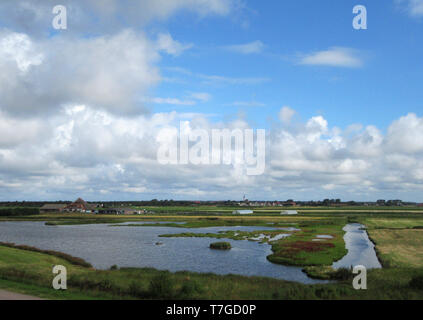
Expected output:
{"points": [[102, 16], [86, 151], [405, 135], [333, 57], [109, 72], [73, 121]]}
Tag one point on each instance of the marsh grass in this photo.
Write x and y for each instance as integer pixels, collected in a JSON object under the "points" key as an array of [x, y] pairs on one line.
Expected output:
{"points": [[220, 246]]}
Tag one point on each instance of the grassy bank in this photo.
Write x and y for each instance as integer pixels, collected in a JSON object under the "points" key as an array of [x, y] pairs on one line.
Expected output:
{"points": [[30, 272]]}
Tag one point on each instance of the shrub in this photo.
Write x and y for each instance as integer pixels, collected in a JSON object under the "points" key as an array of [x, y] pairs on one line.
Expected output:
{"points": [[189, 290], [220, 246], [326, 293], [417, 283], [114, 267], [135, 291], [342, 274], [161, 287], [14, 212]]}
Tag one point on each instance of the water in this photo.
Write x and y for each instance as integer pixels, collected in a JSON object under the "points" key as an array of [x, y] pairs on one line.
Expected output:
{"points": [[104, 246], [361, 251]]}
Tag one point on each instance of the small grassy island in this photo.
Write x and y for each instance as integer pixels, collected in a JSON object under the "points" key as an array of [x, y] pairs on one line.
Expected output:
{"points": [[221, 246]]}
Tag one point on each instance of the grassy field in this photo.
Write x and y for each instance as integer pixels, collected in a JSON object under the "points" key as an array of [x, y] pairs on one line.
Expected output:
{"points": [[398, 239], [399, 242]]}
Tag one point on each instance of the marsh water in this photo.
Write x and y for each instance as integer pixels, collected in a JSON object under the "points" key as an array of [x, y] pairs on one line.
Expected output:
{"points": [[103, 246], [361, 251]]}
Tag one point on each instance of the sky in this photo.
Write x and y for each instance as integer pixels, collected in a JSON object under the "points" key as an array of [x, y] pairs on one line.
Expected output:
{"points": [[83, 109]]}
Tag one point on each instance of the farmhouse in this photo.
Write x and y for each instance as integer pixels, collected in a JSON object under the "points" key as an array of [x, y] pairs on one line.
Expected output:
{"points": [[79, 205]]}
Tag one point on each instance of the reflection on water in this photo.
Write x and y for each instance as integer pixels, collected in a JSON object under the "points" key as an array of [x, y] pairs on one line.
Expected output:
{"points": [[104, 246], [361, 251]]}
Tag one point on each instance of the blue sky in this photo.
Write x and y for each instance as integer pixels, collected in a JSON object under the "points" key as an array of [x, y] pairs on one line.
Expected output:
{"points": [[83, 110], [387, 86]]}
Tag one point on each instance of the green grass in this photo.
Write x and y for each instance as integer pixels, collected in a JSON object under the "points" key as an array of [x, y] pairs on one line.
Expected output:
{"points": [[399, 241]]}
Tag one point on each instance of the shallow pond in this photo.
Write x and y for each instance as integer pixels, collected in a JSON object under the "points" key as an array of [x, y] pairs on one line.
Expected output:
{"points": [[104, 246]]}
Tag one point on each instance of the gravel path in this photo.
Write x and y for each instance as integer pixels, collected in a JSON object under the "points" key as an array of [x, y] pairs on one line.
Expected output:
{"points": [[7, 295]]}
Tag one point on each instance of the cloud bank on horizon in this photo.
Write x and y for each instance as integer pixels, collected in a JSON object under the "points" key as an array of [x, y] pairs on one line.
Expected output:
{"points": [[81, 110]]}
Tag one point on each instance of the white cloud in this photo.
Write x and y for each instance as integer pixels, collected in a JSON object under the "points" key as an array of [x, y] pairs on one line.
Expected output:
{"points": [[108, 72], [246, 104], [413, 7], [215, 79], [90, 152], [201, 96], [333, 57], [166, 43], [248, 48], [286, 114], [20, 49], [173, 101], [192, 99], [101, 16], [406, 135], [71, 121], [218, 79]]}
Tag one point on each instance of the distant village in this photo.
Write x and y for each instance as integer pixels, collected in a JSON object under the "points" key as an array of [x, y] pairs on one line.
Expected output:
{"points": [[135, 207], [127, 208]]}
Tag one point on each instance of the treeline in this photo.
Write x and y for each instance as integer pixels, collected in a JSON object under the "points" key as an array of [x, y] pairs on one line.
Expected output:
{"points": [[33, 204], [166, 203], [15, 212]]}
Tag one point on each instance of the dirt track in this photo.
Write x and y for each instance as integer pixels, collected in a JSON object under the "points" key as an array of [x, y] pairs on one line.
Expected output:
{"points": [[7, 295]]}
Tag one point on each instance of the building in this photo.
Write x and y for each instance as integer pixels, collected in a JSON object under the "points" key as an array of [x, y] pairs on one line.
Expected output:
{"points": [[381, 202], [80, 205], [243, 212], [289, 213], [52, 207], [289, 203], [122, 211]]}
